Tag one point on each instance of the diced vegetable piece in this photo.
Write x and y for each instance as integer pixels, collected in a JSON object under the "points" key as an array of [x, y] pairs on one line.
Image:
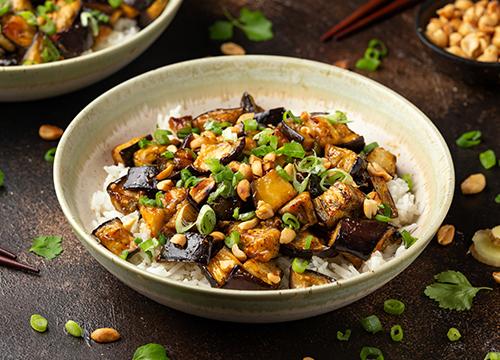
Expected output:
{"points": [[183, 160], [261, 242], [17, 30], [152, 12], [224, 207], [360, 238], [307, 279], [273, 190], [224, 151], [66, 15], [149, 155], [270, 117], [350, 140], [339, 201], [74, 40], [219, 116], [382, 190], [220, 266], [346, 160], [384, 158], [198, 249], [139, 5], [141, 178], [484, 250], [115, 237], [302, 208], [124, 201], [176, 124], [248, 103], [324, 132], [289, 131], [35, 50], [154, 216], [317, 247], [124, 153], [254, 275], [199, 192]]}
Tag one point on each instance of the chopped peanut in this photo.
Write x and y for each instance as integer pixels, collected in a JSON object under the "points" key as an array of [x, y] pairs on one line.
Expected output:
{"points": [[374, 169], [370, 208], [178, 239], [230, 48], [240, 255], [274, 278], [218, 236], [257, 168], [264, 210], [496, 277], [243, 189], [127, 224], [246, 170], [165, 173], [249, 224], [287, 236], [165, 185]]}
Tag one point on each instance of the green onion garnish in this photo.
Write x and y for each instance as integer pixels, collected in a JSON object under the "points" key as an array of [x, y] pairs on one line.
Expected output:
{"points": [[124, 254], [50, 6], [338, 117], [488, 159], [344, 337], [185, 175], [192, 154], [291, 221], [161, 136], [49, 27], [213, 164], [4, 6], [49, 52], [408, 239], [370, 147], [236, 213], [73, 328], [168, 154], [184, 132], [1, 178], [250, 124], [49, 155], [181, 225], [374, 42], [149, 244], [220, 189], [396, 333], [393, 306], [293, 149], [88, 19], [158, 197], [144, 142], [307, 245], [161, 238], [263, 137], [145, 201], [262, 151], [283, 173], [247, 216], [233, 238], [371, 324], [137, 240], [387, 210], [28, 16], [309, 163], [497, 199], [453, 334], [406, 177], [293, 117], [367, 351], [228, 135], [115, 3], [30, 62], [332, 176], [215, 127], [206, 220], [300, 187], [38, 322], [367, 64], [469, 139], [298, 266], [382, 218], [492, 356]]}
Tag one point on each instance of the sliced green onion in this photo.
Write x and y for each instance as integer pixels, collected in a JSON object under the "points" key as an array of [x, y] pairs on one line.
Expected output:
{"points": [[145, 201], [293, 149], [334, 175], [367, 64], [250, 124], [488, 159], [28, 16], [161, 136], [124, 254], [408, 239], [50, 6], [49, 52], [273, 142], [393, 306], [161, 238], [309, 163], [158, 197], [293, 117], [168, 154], [184, 132], [185, 175], [236, 213], [371, 324], [307, 245], [298, 266], [220, 189], [469, 139], [192, 154], [181, 225], [49, 27], [4, 6], [238, 177], [370, 147], [115, 3], [137, 240], [382, 218], [338, 117], [406, 177], [73, 328], [38, 322], [206, 220], [193, 181], [367, 351], [492, 356], [497, 199], [291, 221], [30, 62], [372, 54], [264, 137], [344, 337], [300, 187], [376, 42], [262, 151], [144, 142], [1, 178], [88, 19], [214, 165], [387, 210], [396, 333], [49, 155], [228, 135], [247, 216], [453, 334], [283, 173], [149, 253], [149, 244], [233, 238]]}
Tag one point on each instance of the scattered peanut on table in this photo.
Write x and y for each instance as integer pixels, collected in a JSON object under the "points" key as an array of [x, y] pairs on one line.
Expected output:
{"points": [[105, 335], [445, 234], [50, 132], [231, 48], [474, 184], [496, 276]]}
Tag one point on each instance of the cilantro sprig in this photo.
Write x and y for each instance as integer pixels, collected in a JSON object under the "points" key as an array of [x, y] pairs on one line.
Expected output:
{"points": [[253, 23], [453, 291], [151, 351], [47, 246]]}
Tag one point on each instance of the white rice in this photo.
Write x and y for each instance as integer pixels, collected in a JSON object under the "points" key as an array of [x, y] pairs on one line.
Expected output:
{"points": [[338, 267], [123, 29]]}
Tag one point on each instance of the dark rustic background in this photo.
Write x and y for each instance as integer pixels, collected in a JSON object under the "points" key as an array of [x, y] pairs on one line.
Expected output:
{"points": [[74, 285]]}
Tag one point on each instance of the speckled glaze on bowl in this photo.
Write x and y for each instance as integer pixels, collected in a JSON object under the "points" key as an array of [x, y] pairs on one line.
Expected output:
{"points": [[199, 85], [22, 83], [471, 71]]}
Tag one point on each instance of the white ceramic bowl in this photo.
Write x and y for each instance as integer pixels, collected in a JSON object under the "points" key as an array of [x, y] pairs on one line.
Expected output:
{"points": [[200, 85], [22, 83]]}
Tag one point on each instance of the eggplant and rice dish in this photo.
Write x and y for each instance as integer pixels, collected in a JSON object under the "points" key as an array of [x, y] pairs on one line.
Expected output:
{"points": [[36, 32], [253, 199]]}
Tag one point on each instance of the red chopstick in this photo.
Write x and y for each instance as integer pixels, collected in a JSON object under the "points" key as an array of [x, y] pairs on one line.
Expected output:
{"points": [[7, 253], [16, 264], [378, 15], [358, 14]]}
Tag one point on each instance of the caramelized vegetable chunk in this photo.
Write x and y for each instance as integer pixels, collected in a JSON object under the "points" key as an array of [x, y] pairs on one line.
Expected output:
{"points": [[273, 190], [317, 247], [198, 249], [17, 30], [380, 187], [254, 275], [307, 279], [225, 152], [345, 159], [152, 12], [115, 237], [220, 266], [124, 201], [219, 116], [350, 140], [176, 124], [124, 153], [141, 178], [154, 216], [302, 208], [384, 158], [261, 242], [149, 154], [339, 201], [200, 191]]}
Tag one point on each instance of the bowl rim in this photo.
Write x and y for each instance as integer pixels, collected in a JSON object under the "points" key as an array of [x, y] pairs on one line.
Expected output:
{"points": [[421, 34], [84, 236], [143, 34]]}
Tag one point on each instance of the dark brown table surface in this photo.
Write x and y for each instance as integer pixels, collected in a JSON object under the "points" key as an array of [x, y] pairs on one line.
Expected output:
{"points": [[75, 286]]}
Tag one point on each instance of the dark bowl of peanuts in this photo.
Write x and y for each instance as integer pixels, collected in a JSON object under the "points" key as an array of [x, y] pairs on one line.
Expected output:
{"points": [[464, 37]]}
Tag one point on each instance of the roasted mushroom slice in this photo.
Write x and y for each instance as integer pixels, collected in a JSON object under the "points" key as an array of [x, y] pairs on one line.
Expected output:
{"points": [[384, 158], [225, 152], [302, 208], [142, 178], [254, 275], [124, 153], [307, 279], [219, 116], [273, 190], [198, 249], [17, 30], [359, 238], [115, 237], [315, 247], [219, 267], [345, 159], [124, 201]]}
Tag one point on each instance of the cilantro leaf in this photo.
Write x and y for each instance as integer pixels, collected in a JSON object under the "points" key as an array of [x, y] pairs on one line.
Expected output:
{"points": [[256, 26], [221, 30], [47, 246], [151, 352], [453, 291]]}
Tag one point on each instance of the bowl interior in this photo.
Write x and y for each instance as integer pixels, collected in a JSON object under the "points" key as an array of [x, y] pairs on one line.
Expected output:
{"points": [[132, 109]]}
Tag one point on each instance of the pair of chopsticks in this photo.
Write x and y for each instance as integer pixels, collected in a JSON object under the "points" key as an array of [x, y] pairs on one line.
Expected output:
{"points": [[367, 15], [9, 259]]}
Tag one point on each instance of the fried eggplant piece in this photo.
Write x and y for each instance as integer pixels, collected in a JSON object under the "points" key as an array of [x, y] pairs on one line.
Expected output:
{"points": [[270, 117], [350, 140], [182, 159], [317, 247], [254, 275], [307, 279], [176, 124], [152, 12], [261, 242], [273, 190], [141, 178], [225, 152], [302, 208], [73, 41], [17, 30], [198, 249], [384, 158], [219, 267], [149, 155], [66, 15], [339, 201], [154, 217], [115, 237], [200, 191], [247, 102], [6, 44], [357, 239], [219, 116], [224, 207], [124, 153], [34, 52], [139, 5], [346, 160], [380, 187], [124, 201]]}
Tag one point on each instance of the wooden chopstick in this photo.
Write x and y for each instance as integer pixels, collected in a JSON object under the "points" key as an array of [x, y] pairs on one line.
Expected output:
{"points": [[378, 15], [358, 14], [16, 264], [7, 253]]}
